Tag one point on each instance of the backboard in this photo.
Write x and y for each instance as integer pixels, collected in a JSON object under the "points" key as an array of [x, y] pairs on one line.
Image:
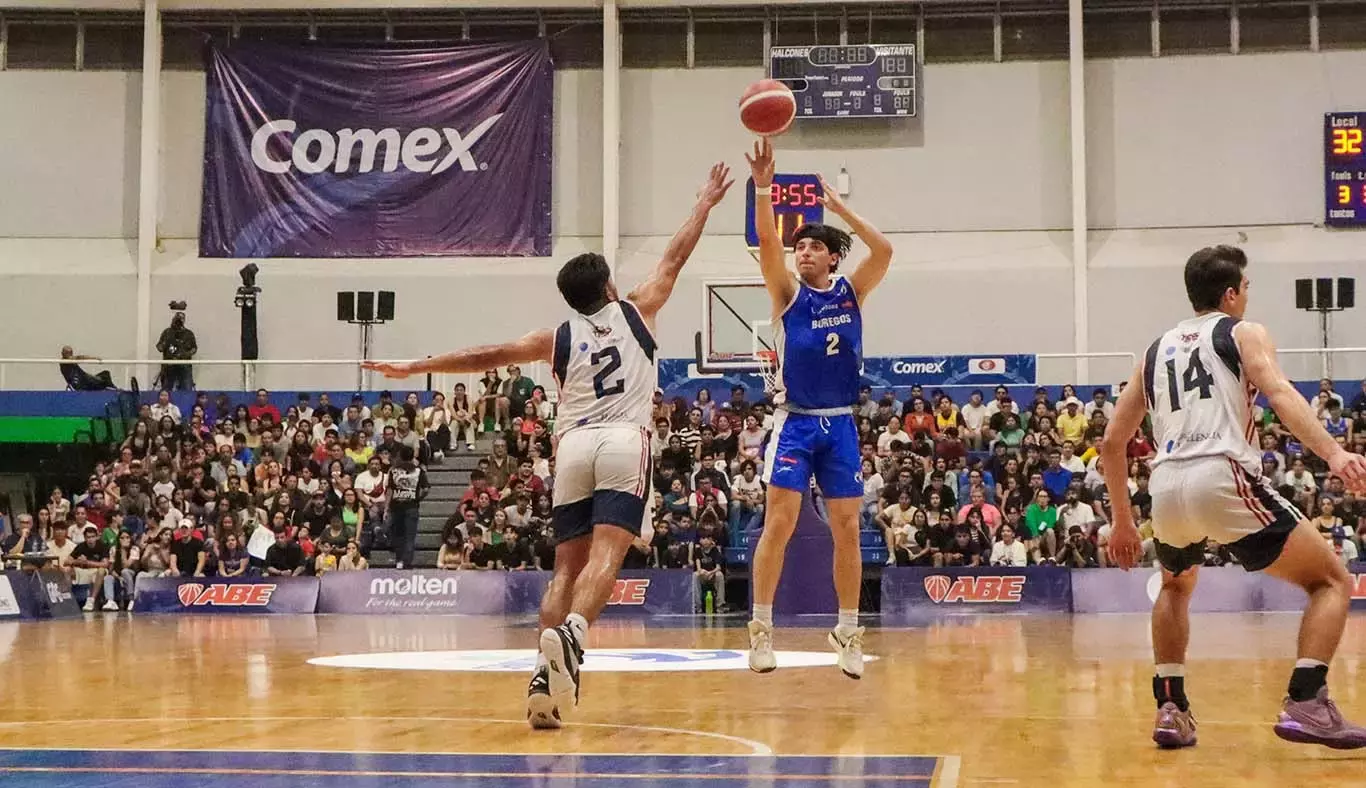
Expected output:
{"points": [[736, 322]]}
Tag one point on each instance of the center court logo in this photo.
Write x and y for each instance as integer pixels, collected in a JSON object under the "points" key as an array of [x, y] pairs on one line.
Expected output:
{"points": [[985, 589], [319, 150], [630, 660]]}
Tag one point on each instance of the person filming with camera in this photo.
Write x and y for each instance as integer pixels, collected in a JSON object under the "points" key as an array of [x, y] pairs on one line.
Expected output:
{"points": [[177, 343]]}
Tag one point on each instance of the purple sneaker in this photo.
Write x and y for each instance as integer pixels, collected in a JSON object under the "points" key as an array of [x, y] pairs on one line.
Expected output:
{"points": [[1174, 728], [1318, 721]]}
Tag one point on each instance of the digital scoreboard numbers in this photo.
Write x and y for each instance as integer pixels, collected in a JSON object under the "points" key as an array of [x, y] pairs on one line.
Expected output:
{"points": [[796, 201], [858, 81], [1344, 164]]}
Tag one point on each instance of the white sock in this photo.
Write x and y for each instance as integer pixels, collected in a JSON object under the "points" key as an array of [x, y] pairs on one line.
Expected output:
{"points": [[578, 624], [848, 621], [764, 614], [1171, 670], [541, 661], [1309, 663]]}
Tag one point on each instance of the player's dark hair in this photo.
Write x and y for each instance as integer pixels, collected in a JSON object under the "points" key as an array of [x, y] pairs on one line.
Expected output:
{"points": [[836, 240], [1211, 272], [583, 281]]}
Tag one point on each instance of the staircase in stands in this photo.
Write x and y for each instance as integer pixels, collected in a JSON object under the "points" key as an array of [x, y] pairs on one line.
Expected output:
{"points": [[450, 479]]}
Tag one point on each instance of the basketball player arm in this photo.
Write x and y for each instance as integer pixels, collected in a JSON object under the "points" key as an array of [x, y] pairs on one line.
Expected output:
{"points": [[650, 296], [871, 269], [1129, 413], [780, 282], [1258, 354], [536, 346]]}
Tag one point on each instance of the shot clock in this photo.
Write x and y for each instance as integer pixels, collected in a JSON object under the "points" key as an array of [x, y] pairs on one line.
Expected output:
{"points": [[1344, 164], [796, 201]]}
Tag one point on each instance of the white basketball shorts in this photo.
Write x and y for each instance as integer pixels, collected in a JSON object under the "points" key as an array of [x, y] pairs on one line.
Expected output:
{"points": [[602, 476], [1218, 499]]}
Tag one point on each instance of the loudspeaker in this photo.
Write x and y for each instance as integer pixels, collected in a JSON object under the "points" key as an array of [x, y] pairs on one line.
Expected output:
{"points": [[1323, 293], [386, 305], [346, 306], [365, 305], [1347, 292], [1304, 294]]}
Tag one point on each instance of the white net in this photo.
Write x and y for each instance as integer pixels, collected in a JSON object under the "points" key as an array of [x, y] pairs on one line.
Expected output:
{"points": [[768, 369]]}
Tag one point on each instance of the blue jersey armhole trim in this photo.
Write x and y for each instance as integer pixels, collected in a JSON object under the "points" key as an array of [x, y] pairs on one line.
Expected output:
{"points": [[560, 362]]}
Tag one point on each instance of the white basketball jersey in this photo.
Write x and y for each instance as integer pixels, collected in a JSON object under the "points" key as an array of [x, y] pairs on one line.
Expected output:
{"points": [[604, 364], [1200, 400]]}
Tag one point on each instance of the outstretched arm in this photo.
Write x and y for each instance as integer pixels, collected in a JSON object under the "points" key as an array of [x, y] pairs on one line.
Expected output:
{"points": [[781, 284], [1258, 354], [536, 346], [1125, 544], [871, 269], [650, 296]]}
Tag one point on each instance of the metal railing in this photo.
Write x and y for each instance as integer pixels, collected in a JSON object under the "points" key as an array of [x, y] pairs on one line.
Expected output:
{"points": [[42, 374]]}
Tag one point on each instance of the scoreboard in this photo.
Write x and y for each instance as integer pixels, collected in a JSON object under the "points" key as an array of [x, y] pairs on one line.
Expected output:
{"points": [[857, 81], [1344, 165]]}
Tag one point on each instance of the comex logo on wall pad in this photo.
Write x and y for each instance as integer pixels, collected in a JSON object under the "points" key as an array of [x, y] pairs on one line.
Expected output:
{"points": [[319, 150]]}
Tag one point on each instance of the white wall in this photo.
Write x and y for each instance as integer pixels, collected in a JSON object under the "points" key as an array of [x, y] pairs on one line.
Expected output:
{"points": [[1213, 141], [974, 192], [989, 153], [68, 154]]}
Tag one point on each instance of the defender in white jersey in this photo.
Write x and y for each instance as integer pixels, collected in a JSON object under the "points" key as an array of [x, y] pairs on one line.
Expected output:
{"points": [[603, 361], [1198, 381]]}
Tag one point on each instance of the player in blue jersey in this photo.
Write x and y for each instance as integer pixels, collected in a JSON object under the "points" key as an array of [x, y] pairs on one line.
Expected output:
{"points": [[818, 335]]}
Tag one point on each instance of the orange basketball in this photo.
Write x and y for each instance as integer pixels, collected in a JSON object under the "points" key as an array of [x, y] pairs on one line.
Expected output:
{"points": [[767, 108]]}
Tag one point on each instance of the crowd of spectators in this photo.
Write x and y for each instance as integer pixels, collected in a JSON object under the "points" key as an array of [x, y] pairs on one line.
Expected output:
{"points": [[231, 489], [1004, 483]]}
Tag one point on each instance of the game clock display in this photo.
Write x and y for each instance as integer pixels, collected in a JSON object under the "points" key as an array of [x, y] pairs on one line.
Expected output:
{"points": [[1344, 164], [796, 201]]}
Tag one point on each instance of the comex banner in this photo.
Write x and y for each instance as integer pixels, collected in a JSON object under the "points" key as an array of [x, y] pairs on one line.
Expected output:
{"points": [[377, 151]]}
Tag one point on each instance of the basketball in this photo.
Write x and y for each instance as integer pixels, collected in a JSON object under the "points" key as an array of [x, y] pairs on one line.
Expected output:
{"points": [[767, 108]]}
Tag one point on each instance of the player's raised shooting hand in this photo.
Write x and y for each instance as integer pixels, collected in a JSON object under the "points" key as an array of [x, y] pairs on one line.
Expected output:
{"points": [[830, 198], [1126, 544], [389, 370], [761, 163], [718, 183]]}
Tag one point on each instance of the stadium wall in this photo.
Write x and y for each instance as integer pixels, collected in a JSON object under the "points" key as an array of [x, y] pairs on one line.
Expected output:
{"points": [[1183, 152]]}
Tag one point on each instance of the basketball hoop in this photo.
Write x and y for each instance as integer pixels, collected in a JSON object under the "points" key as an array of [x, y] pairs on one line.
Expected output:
{"points": [[768, 368]]}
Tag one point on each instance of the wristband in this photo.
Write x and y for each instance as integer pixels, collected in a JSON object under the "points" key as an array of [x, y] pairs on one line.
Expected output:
{"points": [[763, 190]]}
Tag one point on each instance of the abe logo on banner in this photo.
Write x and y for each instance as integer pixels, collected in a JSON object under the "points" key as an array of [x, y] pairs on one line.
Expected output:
{"points": [[982, 589], [629, 591], [222, 594]]}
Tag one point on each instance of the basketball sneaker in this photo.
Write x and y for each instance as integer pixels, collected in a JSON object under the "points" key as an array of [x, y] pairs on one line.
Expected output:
{"points": [[1318, 721], [562, 651], [541, 710], [1173, 727], [761, 659], [850, 650]]}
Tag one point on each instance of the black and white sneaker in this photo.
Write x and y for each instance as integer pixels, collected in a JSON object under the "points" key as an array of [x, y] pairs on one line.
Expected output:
{"points": [[541, 711], [563, 653]]}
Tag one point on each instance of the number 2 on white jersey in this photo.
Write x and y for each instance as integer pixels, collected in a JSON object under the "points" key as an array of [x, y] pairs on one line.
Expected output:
{"points": [[832, 344]]}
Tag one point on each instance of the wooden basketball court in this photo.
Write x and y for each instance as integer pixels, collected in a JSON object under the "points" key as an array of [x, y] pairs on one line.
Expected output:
{"points": [[1058, 701]]}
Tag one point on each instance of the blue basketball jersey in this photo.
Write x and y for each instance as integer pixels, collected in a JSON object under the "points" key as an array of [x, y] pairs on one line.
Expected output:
{"points": [[819, 342]]}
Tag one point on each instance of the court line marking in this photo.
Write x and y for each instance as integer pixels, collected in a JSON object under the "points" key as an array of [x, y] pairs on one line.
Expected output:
{"points": [[946, 771], [756, 748], [462, 752], [448, 775]]}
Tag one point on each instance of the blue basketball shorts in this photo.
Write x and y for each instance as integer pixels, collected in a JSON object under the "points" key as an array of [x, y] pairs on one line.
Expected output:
{"points": [[827, 446]]}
